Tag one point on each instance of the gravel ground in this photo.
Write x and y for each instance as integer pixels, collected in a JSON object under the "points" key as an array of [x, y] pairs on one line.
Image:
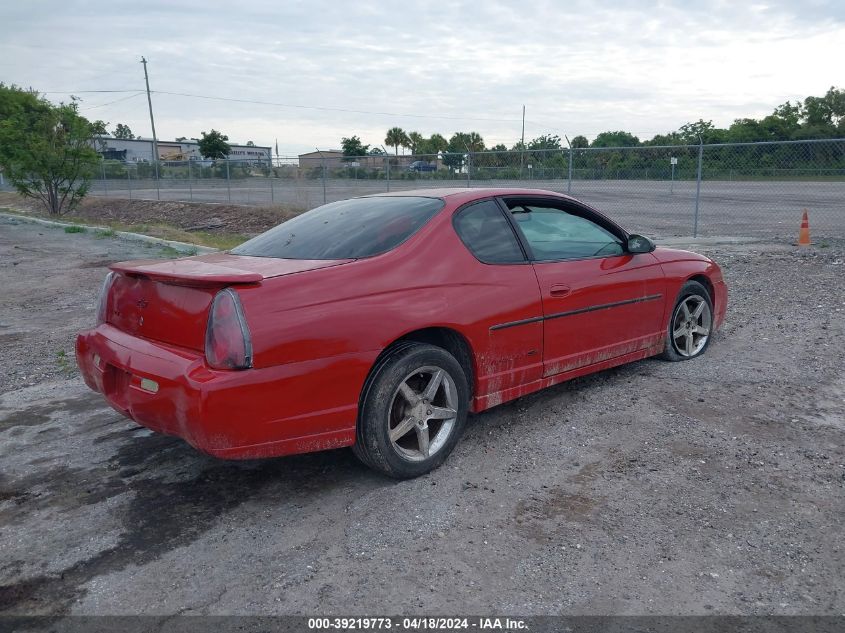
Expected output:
{"points": [[712, 486]]}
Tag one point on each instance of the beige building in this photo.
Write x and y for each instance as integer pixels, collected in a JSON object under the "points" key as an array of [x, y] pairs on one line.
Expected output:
{"points": [[334, 159]]}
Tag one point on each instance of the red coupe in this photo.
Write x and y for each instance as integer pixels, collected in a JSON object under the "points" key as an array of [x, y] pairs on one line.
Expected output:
{"points": [[380, 322]]}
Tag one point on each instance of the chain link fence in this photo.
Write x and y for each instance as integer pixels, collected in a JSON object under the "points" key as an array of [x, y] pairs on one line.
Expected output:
{"points": [[744, 189]]}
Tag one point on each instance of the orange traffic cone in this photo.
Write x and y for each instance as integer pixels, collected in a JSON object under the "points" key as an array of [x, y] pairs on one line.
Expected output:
{"points": [[804, 233]]}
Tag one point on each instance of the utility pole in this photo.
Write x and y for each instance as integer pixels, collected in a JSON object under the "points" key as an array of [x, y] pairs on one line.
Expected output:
{"points": [[152, 120]]}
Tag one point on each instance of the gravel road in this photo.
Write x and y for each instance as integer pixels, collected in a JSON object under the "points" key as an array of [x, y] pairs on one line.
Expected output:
{"points": [[712, 486]]}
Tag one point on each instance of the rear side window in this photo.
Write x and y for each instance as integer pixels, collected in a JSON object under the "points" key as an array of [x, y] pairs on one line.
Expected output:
{"points": [[487, 233], [349, 229]]}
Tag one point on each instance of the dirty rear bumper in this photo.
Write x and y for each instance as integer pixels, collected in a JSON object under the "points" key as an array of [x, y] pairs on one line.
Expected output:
{"points": [[229, 414]]}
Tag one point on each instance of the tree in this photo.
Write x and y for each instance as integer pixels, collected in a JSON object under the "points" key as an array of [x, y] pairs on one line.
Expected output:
{"points": [[352, 146], [615, 139], [434, 144], [376, 151], [542, 144], [395, 137], [416, 142], [700, 131], [547, 141], [46, 151], [100, 127], [100, 131], [123, 131], [580, 142], [459, 145], [825, 111], [250, 144], [466, 141], [214, 145]]}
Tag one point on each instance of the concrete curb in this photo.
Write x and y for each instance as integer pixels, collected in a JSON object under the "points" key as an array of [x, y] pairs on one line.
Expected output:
{"points": [[181, 247]]}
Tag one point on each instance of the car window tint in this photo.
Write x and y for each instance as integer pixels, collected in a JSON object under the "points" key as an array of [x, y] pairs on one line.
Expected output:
{"points": [[557, 234], [488, 234], [349, 229]]}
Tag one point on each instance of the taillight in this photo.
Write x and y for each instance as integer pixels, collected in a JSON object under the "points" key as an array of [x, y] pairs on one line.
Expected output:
{"points": [[227, 342], [103, 301]]}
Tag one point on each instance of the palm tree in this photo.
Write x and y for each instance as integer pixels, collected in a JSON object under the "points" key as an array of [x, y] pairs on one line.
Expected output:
{"points": [[395, 137], [437, 143], [416, 141]]}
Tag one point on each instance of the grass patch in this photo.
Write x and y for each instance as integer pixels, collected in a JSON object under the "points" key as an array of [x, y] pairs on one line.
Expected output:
{"points": [[63, 361], [221, 241]]}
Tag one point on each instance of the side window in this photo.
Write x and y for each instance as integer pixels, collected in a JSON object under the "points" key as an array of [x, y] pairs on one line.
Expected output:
{"points": [[556, 234], [488, 234]]}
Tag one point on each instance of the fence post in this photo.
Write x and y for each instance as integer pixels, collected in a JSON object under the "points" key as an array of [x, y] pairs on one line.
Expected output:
{"points": [[323, 173], [129, 180], [569, 183], [190, 181], [105, 187], [158, 184], [272, 193], [228, 181], [469, 169], [698, 186], [388, 172]]}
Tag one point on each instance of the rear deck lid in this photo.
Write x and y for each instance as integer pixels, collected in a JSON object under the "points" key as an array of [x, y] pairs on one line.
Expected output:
{"points": [[219, 269], [169, 300]]}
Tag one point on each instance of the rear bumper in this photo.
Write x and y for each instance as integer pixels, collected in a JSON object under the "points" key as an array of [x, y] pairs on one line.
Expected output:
{"points": [[292, 408]]}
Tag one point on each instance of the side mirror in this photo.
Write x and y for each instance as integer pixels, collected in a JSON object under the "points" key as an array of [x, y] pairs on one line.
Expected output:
{"points": [[639, 244]]}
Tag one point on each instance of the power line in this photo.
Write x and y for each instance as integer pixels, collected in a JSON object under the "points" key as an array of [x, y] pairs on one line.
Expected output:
{"points": [[330, 109], [82, 92], [102, 105], [293, 105]]}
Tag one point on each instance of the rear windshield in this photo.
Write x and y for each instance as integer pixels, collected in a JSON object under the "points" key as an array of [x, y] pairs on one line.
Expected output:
{"points": [[349, 229]]}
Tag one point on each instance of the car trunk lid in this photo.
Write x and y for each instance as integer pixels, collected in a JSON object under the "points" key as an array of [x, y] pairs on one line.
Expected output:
{"points": [[169, 300]]}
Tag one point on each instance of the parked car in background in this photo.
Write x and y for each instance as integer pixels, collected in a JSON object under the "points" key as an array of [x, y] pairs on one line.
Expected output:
{"points": [[380, 322], [421, 165]]}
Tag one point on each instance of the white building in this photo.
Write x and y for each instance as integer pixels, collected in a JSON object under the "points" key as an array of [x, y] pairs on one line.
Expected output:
{"points": [[141, 150]]}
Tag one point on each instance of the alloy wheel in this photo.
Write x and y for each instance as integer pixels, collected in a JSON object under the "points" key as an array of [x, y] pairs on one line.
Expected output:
{"points": [[691, 325], [423, 412]]}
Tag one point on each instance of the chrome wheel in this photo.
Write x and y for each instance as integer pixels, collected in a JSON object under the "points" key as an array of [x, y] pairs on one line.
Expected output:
{"points": [[691, 325], [422, 413]]}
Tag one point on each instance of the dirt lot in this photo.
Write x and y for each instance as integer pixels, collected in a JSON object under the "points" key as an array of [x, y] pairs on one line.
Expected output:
{"points": [[212, 218], [713, 486]]}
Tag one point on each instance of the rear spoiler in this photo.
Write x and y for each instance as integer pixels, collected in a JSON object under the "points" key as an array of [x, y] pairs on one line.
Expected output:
{"points": [[184, 272]]}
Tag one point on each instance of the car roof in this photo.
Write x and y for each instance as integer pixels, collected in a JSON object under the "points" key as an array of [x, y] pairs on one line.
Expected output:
{"points": [[466, 194]]}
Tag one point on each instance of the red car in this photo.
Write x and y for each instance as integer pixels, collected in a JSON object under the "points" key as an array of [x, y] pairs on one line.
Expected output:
{"points": [[379, 322]]}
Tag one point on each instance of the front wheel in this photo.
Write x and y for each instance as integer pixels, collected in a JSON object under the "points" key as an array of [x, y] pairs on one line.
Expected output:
{"points": [[413, 411], [691, 324]]}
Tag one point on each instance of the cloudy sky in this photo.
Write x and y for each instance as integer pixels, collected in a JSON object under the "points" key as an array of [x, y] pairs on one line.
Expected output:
{"points": [[311, 72]]}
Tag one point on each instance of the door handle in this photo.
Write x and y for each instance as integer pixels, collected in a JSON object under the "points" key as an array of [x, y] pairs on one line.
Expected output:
{"points": [[559, 290]]}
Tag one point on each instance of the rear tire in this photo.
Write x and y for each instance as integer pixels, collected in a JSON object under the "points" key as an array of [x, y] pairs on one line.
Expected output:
{"points": [[690, 327], [413, 411]]}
